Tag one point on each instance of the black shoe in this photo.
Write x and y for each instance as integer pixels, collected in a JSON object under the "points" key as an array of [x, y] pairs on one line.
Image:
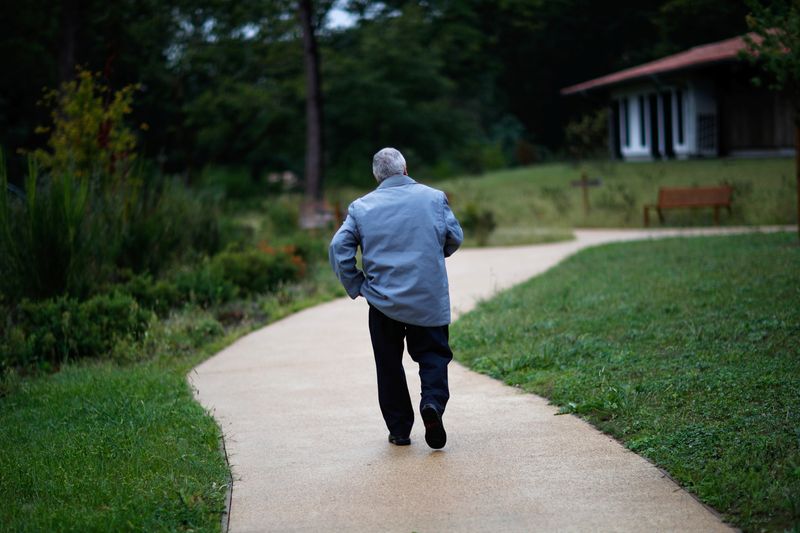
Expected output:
{"points": [[435, 435], [399, 441]]}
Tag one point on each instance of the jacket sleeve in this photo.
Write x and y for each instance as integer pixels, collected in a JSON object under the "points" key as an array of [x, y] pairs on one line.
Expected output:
{"points": [[454, 235], [342, 256]]}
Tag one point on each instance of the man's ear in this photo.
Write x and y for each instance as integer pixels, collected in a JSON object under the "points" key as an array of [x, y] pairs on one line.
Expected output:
{"points": [[405, 171]]}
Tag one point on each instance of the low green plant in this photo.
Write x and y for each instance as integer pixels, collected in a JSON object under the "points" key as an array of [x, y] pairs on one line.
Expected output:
{"points": [[256, 270], [158, 295], [49, 333], [203, 284]]}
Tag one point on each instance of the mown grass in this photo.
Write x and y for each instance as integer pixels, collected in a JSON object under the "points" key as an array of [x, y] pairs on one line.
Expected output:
{"points": [[121, 445], [98, 447], [687, 350], [541, 196], [538, 204]]}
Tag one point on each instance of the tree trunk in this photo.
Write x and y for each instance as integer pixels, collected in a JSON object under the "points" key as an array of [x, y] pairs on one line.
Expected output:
{"points": [[313, 173], [797, 168], [69, 29]]}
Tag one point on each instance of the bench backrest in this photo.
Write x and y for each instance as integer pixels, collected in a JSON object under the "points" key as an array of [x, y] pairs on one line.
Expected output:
{"points": [[695, 196]]}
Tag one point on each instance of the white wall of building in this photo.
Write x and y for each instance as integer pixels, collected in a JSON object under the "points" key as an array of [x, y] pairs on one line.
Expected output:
{"points": [[635, 110], [691, 105]]}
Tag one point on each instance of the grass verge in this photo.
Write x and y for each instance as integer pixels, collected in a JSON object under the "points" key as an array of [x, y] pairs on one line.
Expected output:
{"points": [[122, 445], [687, 350], [541, 196], [538, 204]]}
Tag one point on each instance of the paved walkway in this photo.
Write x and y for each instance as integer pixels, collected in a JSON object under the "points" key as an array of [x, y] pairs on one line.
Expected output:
{"points": [[297, 402]]}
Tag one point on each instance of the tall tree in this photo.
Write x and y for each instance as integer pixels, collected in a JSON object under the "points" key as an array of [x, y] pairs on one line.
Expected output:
{"points": [[313, 167], [776, 48]]}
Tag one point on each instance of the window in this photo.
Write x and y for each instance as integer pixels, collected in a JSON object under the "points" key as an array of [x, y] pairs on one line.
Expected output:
{"points": [[679, 114], [707, 132], [642, 138]]}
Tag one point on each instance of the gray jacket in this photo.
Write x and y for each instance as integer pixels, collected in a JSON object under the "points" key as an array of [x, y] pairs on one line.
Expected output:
{"points": [[405, 230]]}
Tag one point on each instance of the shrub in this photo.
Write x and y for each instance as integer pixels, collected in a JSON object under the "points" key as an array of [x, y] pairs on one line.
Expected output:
{"points": [[159, 296], [88, 137], [50, 332], [166, 222], [259, 270], [282, 215], [48, 244], [309, 247], [204, 285], [86, 215], [588, 136], [477, 223]]}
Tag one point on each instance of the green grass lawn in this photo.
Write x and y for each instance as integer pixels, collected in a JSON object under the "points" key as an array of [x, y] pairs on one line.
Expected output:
{"points": [[121, 445], [687, 350], [537, 203], [99, 447]]}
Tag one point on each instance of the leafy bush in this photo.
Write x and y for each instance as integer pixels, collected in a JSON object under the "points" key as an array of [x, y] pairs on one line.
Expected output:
{"points": [[51, 332], [588, 136], [282, 215], [204, 285], [309, 247], [477, 223], [88, 138], [165, 223], [86, 215], [159, 296], [48, 243], [259, 270]]}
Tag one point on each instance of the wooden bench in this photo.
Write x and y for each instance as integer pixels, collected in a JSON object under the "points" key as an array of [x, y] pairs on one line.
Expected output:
{"points": [[694, 197]]}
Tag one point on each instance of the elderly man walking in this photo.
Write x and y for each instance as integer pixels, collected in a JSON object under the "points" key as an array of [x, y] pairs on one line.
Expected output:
{"points": [[405, 230]]}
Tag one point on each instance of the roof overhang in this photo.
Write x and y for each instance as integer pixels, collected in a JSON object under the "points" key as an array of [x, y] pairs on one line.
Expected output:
{"points": [[700, 56]]}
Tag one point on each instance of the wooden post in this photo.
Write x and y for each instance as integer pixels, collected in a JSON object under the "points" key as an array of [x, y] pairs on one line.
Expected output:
{"points": [[585, 187]]}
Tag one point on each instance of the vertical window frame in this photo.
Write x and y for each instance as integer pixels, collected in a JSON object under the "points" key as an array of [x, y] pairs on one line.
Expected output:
{"points": [[624, 107], [642, 123]]}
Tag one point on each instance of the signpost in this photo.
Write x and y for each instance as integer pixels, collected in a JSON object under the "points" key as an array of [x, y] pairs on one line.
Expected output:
{"points": [[584, 183]]}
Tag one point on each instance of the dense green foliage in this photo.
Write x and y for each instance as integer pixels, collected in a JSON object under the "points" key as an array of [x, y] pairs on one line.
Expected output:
{"points": [[776, 46], [84, 215], [52, 332], [459, 86], [91, 252], [120, 443], [688, 350]]}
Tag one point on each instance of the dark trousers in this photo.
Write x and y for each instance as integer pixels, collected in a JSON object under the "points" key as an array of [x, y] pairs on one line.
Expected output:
{"points": [[428, 347]]}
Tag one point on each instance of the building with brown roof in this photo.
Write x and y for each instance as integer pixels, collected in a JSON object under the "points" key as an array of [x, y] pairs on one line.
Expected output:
{"points": [[697, 103]]}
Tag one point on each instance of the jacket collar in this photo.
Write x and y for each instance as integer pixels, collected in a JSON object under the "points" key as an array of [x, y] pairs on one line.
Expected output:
{"points": [[396, 181]]}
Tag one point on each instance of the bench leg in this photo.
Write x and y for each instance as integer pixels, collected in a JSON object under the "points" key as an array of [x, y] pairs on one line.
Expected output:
{"points": [[660, 215]]}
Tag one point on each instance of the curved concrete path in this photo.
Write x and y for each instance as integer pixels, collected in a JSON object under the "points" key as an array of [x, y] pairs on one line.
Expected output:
{"points": [[297, 403]]}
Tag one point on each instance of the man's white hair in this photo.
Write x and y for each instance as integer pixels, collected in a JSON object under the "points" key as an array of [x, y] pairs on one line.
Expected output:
{"points": [[388, 162]]}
